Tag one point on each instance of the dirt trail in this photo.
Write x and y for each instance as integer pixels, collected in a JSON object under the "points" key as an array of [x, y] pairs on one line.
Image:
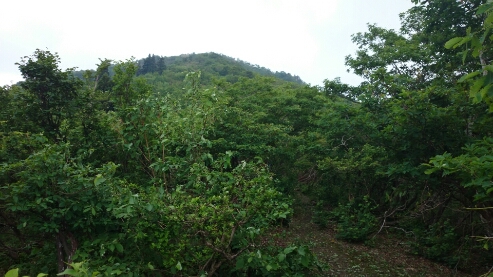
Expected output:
{"points": [[388, 257]]}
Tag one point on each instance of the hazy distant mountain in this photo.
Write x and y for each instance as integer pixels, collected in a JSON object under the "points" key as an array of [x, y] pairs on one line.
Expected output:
{"points": [[169, 72], [224, 66]]}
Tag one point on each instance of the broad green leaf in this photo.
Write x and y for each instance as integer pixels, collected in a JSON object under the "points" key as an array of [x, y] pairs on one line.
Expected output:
{"points": [[483, 37], [489, 20], [476, 87], [484, 91], [463, 41], [99, 179], [483, 8], [431, 170], [288, 250], [240, 263], [452, 42], [305, 261], [42, 275], [469, 76], [12, 273], [76, 266], [119, 247], [68, 271], [178, 266]]}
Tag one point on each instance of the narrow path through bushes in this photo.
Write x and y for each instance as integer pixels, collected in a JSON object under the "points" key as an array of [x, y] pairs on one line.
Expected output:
{"points": [[389, 256]]}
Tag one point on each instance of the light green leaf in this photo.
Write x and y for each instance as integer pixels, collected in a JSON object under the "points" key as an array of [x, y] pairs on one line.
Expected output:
{"points": [[76, 266], [469, 76], [99, 179], [12, 273], [449, 44], [68, 271], [289, 249], [178, 266], [483, 8], [42, 275], [478, 84]]}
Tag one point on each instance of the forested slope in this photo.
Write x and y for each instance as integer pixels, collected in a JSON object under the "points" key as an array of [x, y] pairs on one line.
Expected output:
{"points": [[150, 174], [168, 73]]}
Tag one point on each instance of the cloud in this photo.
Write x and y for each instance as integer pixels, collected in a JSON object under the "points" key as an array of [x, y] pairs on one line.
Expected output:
{"points": [[308, 38]]}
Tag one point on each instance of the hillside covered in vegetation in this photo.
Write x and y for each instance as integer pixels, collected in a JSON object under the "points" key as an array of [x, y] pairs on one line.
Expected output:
{"points": [[196, 165]]}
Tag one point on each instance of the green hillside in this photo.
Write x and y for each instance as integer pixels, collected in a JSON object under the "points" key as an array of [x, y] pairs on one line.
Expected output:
{"points": [[168, 73], [212, 64]]}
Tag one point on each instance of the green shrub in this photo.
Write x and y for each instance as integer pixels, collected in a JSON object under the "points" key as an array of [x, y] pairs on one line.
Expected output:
{"points": [[274, 261], [355, 220], [438, 242], [321, 215]]}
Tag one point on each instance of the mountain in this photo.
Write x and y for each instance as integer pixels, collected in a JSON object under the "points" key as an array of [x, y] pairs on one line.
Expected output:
{"points": [[221, 65], [168, 73]]}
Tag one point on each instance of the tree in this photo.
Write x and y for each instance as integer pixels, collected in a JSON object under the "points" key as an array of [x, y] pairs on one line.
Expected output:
{"points": [[418, 111], [103, 80], [53, 91], [152, 64], [161, 66]]}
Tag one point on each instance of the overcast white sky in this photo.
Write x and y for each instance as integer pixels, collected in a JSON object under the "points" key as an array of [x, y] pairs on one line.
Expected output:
{"points": [[308, 38]]}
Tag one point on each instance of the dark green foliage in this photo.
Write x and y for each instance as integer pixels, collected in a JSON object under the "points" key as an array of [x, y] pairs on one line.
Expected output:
{"points": [[355, 220], [103, 81], [171, 205], [439, 242], [290, 261], [51, 91], [321, 215], [152, 64]]}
